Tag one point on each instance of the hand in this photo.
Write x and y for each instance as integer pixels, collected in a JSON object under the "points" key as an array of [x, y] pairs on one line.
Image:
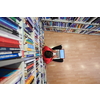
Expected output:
{"points": [[54, 51], [55, 56]]}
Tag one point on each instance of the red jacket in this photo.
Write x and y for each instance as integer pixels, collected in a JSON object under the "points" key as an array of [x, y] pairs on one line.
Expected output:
{"points": [[46, 60]]}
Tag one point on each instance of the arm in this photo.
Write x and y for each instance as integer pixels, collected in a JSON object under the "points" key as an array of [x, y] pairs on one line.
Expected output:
{"points": [[55, 56], [54, 51]]}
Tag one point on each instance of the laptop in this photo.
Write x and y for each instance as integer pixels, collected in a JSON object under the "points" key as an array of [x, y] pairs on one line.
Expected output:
{"points": [[60, 54]]}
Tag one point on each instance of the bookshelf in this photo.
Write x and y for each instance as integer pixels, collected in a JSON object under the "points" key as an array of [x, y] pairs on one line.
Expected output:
{"points": [[81, 25], [26, 67]]}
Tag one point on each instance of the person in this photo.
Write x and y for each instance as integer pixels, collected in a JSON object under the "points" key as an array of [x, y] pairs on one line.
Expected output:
{"points": [[48, 54]]}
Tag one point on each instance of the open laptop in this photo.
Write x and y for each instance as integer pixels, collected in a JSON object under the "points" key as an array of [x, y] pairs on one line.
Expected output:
{"points": [[60, 54]]}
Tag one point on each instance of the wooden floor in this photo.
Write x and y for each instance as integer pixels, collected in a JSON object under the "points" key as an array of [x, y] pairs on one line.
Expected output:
{"points": [[82, 62]]}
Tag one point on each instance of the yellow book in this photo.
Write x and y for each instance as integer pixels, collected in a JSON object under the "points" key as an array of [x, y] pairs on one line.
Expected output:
{"points": [[29, 80]]}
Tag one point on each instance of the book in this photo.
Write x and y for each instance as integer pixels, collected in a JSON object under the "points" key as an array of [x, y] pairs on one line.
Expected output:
{"points": [[9, 56], [9, 49], [29, 80], [9, 52], [8, 40], [30, 55]]}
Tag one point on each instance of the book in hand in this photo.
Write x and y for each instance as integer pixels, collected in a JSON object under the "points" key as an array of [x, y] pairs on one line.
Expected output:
{"points": [[9, 56]]}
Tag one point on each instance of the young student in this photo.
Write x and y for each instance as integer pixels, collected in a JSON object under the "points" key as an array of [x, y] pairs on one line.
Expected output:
{"points": [[48, 54]]}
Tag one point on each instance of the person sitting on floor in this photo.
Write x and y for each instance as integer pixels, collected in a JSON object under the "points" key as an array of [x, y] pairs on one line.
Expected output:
{"points": [[48, 54]]}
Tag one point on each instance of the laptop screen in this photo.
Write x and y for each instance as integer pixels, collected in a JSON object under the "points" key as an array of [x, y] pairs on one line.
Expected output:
{"points": [[62, 55]]}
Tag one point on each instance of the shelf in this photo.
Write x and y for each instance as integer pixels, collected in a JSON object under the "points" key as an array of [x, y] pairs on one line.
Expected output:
{"points": [[77, 22], [70, 28], [9, 62], [25, 59]]}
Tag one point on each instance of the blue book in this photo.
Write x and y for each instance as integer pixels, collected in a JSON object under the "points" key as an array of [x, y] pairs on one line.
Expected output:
{"points": [[9, 49], [47, 17], [30, 46], [28, 28], [30, 55], [9, 56]]}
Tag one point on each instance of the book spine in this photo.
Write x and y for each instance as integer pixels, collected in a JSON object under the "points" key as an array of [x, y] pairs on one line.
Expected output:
{"points": [[8, 40], [29, 66], [10, 45], [9, 49], [9, 56]]}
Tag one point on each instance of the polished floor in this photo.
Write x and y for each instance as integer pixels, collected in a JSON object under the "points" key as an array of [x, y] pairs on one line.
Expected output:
{"points": [[82, 59]]}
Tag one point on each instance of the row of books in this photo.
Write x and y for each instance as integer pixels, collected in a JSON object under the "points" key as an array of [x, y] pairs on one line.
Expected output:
{"points": [[72, 30], [36, 33], [10, 75], [29, 50], [73, 25], [28, 38], [29, 71], [38, 73], [80, 19]]}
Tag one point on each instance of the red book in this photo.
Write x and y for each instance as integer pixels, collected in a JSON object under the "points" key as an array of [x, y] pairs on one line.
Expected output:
{"points": [[8, 40], [30, 66], [2, 44]]}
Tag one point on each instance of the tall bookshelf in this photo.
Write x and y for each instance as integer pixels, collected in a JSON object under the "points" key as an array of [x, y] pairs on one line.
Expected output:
{"points": [[27, 67], [81, 25]]}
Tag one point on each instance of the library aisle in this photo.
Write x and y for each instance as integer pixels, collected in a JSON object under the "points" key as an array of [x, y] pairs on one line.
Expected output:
{"points": [[82, 59]]}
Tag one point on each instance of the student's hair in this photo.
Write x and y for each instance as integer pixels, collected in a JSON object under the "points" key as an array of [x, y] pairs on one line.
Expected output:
{"points": [[48, 54]]}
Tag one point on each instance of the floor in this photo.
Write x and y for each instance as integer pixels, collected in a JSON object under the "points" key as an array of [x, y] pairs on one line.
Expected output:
{"points": [[82, 62]]}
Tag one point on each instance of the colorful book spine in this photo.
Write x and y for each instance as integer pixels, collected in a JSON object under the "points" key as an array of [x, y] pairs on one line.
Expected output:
{"points": [[10, 45], [9, 56], [8, 40]]}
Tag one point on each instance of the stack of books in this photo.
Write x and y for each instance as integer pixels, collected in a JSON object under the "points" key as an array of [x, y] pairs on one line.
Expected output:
{"points": [[29, 72], [7, 75]]}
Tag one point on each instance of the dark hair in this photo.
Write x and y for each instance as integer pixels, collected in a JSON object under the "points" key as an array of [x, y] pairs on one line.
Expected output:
{"points": [[48, 54]]}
